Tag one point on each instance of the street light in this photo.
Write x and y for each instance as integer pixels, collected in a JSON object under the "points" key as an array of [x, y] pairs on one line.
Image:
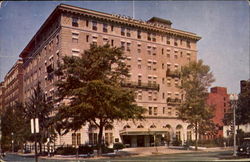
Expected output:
{"points": [[233, 100]]}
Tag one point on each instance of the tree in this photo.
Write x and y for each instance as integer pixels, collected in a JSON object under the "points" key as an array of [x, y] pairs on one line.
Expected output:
{"points": [[242, 110], [38, 107], [93, 90], [14, 127], [196, 78]]}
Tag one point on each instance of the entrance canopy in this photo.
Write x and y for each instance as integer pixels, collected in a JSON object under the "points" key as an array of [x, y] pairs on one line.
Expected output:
{"points": [[143, 131]]}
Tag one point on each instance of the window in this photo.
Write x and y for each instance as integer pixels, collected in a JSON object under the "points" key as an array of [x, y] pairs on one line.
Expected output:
{"points": [[162, 66], [163, 110], [78, 139], [112, 28], [105, 41], [108, 138], [162, 51], [105, 28], [169, 82], [94, 25], [128, 46], [74, 40], [112, 42], [123, 45], [75, 52], [92, 138], [139, 48], [181, 42], [73, 139], [169, 111], [150, 110], [87, 38], [128, 33], [163, 80], [149, 93], [188, 44], [87, 23], [154, 51], [155, 110], [154, 38], [175, 42], [149, 36], [123, 31], [139, 34], [168, 40], [163, 95], [75, 21]]}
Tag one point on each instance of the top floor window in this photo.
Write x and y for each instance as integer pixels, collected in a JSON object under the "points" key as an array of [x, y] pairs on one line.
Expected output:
{"points": [[105, 28], [112, 28], [87, 23], [123, 31], [188, 44], [75, 21], [139, 34], [149, 36], [175, 42], [154, 38], [128, 33], [94, 25], [168, 40]]}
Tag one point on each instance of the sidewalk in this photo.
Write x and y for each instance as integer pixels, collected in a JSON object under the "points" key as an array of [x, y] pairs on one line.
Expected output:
{"points": [[139, 151]]}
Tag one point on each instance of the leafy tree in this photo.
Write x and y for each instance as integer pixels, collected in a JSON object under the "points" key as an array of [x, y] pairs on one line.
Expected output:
{"points": [[38, 107], [196, 78], [243, 111], [93, 90], [14, 127]]}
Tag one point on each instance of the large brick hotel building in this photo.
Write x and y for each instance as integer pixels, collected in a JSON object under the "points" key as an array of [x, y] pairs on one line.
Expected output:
{"points": [[154, 51]]}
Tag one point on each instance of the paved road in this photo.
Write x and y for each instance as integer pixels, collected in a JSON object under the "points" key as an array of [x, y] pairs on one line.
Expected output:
{"points": [[197, 156]]}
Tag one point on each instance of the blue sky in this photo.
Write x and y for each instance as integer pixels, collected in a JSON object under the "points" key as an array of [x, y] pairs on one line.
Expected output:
{"points": [[223, 26]]}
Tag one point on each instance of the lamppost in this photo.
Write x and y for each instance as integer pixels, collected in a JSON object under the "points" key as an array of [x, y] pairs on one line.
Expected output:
{"points": [[12, 141], [233, 101]]}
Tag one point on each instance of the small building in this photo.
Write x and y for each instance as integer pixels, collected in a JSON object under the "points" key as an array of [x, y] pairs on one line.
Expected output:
{"points": [[218, 98]]}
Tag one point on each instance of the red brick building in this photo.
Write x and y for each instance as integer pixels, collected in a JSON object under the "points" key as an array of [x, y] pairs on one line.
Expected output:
{"points": [[218, 98]]}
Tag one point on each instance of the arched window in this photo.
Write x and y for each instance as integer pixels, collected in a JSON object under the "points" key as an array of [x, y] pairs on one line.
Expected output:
{"points": [[153, 126], [92, 127], [109, 127], [140, 126], [126, 126]]}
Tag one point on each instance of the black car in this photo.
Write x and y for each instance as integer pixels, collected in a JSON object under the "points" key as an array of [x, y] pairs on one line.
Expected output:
{"points": [[244, 148]]}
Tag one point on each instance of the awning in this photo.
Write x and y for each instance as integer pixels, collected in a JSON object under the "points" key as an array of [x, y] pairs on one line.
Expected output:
{"points": [[143, 131]]}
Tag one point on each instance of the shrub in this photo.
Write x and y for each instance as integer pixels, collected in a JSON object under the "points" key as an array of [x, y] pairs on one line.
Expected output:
{"points": [[118, 146], [65, 151], [177, 143], [85, 149]]}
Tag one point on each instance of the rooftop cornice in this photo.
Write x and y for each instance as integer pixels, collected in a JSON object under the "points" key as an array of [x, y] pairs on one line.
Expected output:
{"points": [[128, 21]]}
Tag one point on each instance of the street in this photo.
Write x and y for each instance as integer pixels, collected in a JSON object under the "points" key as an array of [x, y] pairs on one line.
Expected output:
{"points": [[194, 156]]}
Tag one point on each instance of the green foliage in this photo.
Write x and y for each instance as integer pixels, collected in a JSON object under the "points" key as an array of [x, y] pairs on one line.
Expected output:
{"points": [[243, 111], [118, 146], [196, 78], [176, 142], [66, 151], [13, 122], [16, 119], [93, 89]]}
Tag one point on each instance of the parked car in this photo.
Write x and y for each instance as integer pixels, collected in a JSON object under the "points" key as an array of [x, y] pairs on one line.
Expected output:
{"points": [[244, 148]]}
